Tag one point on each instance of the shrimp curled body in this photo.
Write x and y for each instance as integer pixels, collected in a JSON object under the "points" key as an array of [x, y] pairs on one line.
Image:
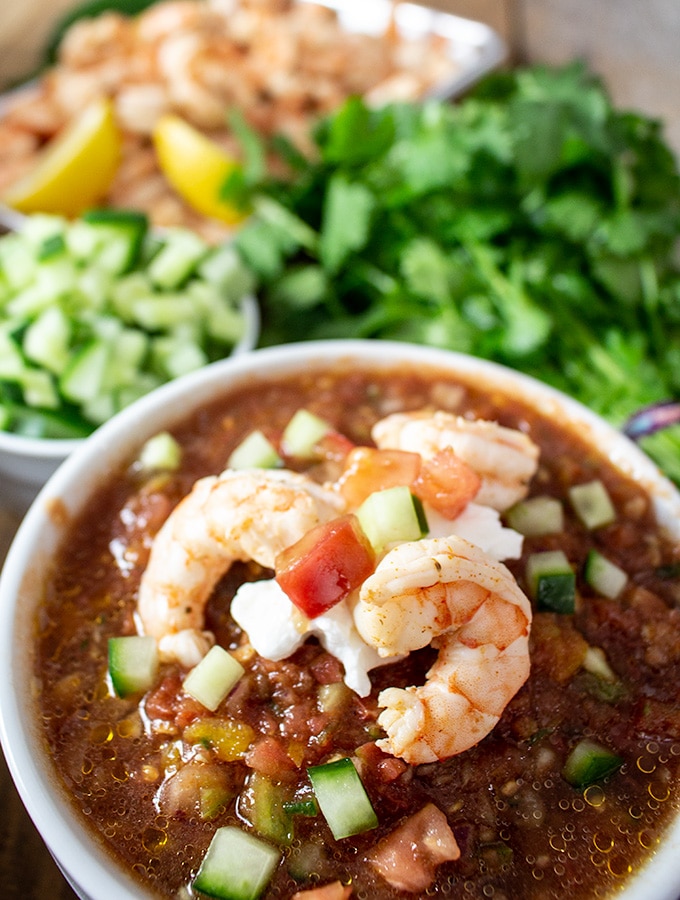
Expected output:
{"points": [[506, 459], [447, 592], [236, 516]]}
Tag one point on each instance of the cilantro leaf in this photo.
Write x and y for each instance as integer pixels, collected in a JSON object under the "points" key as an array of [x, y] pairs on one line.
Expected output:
{"points": [[532, 222]]}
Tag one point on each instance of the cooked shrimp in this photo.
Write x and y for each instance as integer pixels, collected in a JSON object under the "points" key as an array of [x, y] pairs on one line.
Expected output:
{"points": [[447, 592], [18, 152], [506, 459], [181, 57], [238, 515], [281, 63]]}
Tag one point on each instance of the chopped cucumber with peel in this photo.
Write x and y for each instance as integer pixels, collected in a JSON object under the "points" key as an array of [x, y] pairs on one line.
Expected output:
{"points": [[96, 312], [255, 451], [177, 259], [551, 581], [264, 805], [115, 237], [603, 575], [213, 677], [391, 516], [133, 663], [236, 866], [160, 452], [588, 762], [342, 798], [302, 434], [595, 661], [592, 504], [536, 516]]}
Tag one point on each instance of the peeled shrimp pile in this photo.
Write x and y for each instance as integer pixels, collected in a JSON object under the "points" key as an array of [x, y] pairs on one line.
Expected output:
{"points": [[282, 63]]}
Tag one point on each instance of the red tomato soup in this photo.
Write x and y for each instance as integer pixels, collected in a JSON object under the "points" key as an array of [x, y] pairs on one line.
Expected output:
{"points": [[565, 795]]}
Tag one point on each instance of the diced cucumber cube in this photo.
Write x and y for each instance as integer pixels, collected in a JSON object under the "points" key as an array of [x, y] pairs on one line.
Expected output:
{"points": [[133, 663], [551, 581], [236, 866], [161, 451], [92, 290], [130, 347], [302, 433], [212, 800], [41, 228], [177, 259], [52, 246], [121, 235], [162, 311], [83, 241], [592, 504], [31, 300], [536, 516], [144, 383], [125, 291], [57, 276], [108, 328], [46, 340], [82, 379], [225, 323], [263, 805], [212, 679], [12, 363], [39, 389], [174, 357], [342, 798], [117, 255], [18, 261], [588, 762], [603, 575], [100, 408], [255, 451], [390, 516], [596, 662], [224, 268]]}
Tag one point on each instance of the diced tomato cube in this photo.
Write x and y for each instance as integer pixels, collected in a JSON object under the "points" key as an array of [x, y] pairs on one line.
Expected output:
{"points": [[334, 447], [446, 483], [407, 858], [368, 469], [326, 565]]}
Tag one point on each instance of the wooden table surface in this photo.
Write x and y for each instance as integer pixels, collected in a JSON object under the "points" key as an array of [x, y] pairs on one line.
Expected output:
{"points": [[27, 871]]}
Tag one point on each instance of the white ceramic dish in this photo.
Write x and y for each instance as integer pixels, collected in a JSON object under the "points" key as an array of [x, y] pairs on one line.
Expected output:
{"points": [[89, 869], [26, 463]]}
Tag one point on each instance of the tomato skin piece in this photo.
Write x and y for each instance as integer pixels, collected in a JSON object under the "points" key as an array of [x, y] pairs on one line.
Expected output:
{"points": [[446, 483], [368, 469], [326, 565], [334, 447]]}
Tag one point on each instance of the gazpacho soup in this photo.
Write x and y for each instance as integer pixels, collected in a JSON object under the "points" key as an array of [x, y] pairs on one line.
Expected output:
{"points": [[367, 632]]}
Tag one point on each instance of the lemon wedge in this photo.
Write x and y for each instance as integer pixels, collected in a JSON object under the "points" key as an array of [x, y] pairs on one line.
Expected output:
{"points": [[75, 168], [196, 167]]}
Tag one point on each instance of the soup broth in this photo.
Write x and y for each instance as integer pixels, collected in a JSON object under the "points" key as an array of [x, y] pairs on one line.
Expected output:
{"points": [[156, 774]]}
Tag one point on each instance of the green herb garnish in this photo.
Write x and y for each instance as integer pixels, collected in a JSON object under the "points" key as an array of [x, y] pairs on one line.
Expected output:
{"points": [[532, 223]]}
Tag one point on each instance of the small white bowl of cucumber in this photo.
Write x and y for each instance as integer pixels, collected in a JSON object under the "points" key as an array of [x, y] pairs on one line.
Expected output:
{"points": [[95, 313]]}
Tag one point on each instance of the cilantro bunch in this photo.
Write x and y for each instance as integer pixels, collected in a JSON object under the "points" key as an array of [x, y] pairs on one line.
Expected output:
{"points": [[532, 223]]}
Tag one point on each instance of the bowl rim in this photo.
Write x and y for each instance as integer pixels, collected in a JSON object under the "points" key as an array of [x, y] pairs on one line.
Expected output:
{"points": [[85, 862]]}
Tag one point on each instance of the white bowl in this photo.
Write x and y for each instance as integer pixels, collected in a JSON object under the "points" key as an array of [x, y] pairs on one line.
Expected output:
{"points": [[26, 463], [91, 871]]}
